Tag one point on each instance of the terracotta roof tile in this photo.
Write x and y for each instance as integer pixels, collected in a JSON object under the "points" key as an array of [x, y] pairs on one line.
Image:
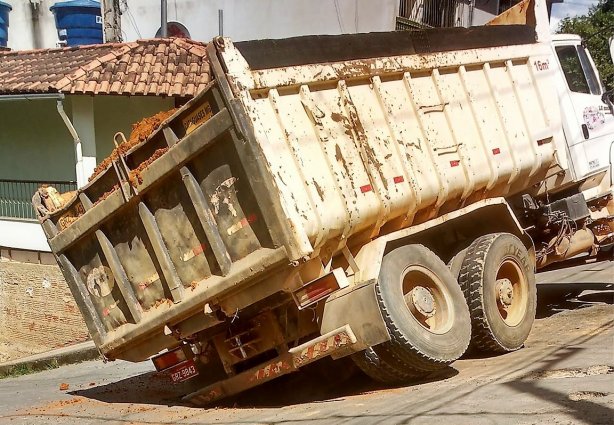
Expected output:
{"points": [[163, 67]]}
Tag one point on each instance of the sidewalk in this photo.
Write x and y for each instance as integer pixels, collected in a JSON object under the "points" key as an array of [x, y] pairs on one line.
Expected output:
{"points": [[61, 356]]}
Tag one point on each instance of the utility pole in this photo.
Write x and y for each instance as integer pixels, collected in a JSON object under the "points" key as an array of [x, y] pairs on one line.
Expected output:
{"points": [[163, 19], [112, 26]]}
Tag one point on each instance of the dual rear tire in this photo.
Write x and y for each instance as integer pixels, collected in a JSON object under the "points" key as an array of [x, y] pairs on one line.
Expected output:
{"points": [[432, 317], [498, 282]]}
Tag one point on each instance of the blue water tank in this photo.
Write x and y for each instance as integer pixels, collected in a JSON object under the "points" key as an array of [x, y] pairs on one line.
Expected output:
{"points": [[5, 8], [78, 22]]}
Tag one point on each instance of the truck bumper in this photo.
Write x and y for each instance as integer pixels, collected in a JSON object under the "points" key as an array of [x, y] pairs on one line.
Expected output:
{"points": [[291, 361]]}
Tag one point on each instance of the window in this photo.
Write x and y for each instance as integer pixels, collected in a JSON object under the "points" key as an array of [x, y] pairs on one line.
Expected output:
{"points": [[577, 69], [589, 72]]}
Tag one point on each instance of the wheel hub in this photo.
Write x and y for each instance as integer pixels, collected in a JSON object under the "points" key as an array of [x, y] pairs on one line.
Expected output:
{"points": [[423, 301], [505, 291]]}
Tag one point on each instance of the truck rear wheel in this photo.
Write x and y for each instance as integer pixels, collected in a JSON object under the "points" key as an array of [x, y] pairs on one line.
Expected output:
{"points": [[499, 285], [456, 263], [424, 310], [379, 370]]}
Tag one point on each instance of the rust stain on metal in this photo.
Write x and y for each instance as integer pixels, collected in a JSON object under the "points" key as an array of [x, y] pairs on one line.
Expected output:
{"points": [[70, 216], [339, 157], [163, 301], [362, 138], [318, 189], [337, 117]]}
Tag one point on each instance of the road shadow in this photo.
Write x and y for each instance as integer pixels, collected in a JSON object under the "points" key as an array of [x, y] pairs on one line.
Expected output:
{"points": [[554, 298], [147, 388], [329, 380], [321, 384], [584, 410]]}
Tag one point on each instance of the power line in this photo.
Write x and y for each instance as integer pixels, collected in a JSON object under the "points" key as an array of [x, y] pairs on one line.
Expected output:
{"points": [[338, 15], [131, 18]]}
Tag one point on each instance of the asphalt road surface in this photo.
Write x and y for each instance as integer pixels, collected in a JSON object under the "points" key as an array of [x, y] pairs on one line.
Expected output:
{"points": [[564, 375]]}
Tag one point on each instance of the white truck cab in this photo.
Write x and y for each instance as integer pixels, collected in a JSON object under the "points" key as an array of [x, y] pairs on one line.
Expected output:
{"points": [[586, 108]]}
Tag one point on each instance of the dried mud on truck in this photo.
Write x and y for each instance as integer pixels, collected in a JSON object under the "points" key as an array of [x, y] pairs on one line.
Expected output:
{"points": [[383, 196]]}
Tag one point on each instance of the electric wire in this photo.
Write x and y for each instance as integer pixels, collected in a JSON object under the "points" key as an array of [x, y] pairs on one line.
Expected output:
{"points": [[131, 19], [336, 2]]}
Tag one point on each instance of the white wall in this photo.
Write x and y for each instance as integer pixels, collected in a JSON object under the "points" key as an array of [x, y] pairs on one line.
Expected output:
{"points": [[242, 19], [29, 27], [484, 11], [21, 234], [257, 19]]}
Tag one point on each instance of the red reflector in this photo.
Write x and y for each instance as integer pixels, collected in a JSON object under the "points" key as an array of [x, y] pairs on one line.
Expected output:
{"points": [[398, 179], [366, 188], [454, 163], [544, 141], [316, 290], [170, 359], [199, 249], [496, 151]]}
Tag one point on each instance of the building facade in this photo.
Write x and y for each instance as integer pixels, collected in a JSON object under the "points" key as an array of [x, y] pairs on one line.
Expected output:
{"points": [[60, 110], [32, 24]]}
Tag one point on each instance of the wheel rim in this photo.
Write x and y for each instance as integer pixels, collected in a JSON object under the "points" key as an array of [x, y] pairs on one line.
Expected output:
{"points": [[427, 299], [511, 292]]}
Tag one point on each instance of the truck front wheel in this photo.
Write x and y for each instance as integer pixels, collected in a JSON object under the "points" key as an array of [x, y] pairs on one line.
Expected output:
{"points": [[498, 282]]}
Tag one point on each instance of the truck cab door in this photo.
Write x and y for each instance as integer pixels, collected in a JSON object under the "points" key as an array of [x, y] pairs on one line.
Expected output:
{"points": [[589, 126]]}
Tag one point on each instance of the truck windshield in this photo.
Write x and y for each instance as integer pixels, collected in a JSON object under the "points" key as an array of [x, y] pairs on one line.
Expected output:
{"points": [[578, 70]]}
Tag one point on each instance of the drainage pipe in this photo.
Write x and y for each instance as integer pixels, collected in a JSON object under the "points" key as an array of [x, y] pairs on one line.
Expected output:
{"points": [[81, 177]]}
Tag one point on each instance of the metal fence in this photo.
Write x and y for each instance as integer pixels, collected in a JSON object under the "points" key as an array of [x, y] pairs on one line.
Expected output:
{"points": [[16, 196], [416, 14]]}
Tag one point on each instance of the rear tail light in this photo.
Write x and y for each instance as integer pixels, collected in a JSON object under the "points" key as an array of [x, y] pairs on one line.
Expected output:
{"points": [[171, 358], [320, 288]]}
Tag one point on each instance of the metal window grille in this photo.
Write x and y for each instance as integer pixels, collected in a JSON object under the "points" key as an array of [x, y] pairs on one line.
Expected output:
{"points": [[418, 14], [16, 196]]}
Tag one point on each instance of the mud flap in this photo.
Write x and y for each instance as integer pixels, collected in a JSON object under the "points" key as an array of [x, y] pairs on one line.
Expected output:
{"points": [[358, 307]]}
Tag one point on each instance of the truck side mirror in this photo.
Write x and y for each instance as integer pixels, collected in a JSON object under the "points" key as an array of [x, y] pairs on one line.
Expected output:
{"points": [[611, 43]]}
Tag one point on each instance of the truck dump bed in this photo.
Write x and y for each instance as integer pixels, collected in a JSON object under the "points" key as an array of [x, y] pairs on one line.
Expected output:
{"points": [[298, 148]]}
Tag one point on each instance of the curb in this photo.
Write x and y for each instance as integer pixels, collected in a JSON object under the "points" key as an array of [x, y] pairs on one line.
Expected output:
{"points": [[63, 356]]}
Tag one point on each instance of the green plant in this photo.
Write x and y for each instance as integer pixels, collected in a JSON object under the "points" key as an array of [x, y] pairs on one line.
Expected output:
{"points": [[596, 27], [28, 368]]}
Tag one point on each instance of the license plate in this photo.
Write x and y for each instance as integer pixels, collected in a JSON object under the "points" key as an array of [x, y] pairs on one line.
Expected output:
{"points": [[183, 371]]}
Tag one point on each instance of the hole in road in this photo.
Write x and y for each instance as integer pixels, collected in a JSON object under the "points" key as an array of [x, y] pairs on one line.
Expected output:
{"points": [[586, 395], [572, 372]]}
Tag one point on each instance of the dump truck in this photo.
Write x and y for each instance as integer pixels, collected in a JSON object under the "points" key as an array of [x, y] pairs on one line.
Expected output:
{"points": [[385, 197]]}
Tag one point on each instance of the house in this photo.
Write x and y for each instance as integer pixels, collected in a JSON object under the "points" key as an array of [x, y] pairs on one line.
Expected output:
{"points": [[32, 24], [453, 13], [60, 108], [59, 111]]}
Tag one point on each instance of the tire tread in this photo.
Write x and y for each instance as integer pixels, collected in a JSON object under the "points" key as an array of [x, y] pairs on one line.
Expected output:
{"points": [[378, 369], [470, 280], [401, 351]]}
